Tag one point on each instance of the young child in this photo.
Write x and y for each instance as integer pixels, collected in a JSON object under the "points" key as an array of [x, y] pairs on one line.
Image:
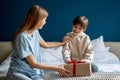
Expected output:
{"points": [[79, 46], [26, 60]]}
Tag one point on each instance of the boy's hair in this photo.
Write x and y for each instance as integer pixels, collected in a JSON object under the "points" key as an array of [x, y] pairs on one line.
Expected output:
{"points": [[82, 21]]}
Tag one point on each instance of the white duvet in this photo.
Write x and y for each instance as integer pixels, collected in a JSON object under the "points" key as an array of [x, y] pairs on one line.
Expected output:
{"points": [[105, 60], [52, 56], [109, 63]]}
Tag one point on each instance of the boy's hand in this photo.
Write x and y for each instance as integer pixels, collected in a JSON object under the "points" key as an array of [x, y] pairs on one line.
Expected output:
{"points": [[68, 61], [83, 61]]}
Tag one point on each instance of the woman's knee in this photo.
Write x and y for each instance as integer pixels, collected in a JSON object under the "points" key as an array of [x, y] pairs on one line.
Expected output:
{"points": [[16, 76]]}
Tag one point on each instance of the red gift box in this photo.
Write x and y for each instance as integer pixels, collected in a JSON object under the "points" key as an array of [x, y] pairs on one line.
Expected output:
{"points": [[79, 68]]}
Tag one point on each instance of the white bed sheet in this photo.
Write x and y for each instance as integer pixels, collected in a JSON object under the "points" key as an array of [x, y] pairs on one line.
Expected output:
{"points": [[110, 63], [53, 56], [4, 66]]}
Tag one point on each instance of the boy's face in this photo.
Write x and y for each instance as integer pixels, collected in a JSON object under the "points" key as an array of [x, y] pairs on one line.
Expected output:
{"points": [[77, 29]]}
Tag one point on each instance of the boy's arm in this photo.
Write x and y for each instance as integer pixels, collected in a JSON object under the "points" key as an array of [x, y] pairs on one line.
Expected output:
{"points": [[66, 50], [89, 51]]}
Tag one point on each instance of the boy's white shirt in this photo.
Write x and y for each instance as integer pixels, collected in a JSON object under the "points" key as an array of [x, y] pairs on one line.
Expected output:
{"points": [[78, 47]]}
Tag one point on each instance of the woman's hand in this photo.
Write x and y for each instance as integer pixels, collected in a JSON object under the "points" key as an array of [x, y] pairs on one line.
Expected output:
{"points": [[65, 40], [63, 43], [64, 72]]}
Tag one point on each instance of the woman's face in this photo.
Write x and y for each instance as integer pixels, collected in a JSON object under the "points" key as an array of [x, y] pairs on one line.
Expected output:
{"points": [[41, 23], [77, 29]]}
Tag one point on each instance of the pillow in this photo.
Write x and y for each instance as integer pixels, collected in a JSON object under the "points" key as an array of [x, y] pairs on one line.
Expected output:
{"points": [[98, 44], [4, 66], [110, 58], [100, 50], [52, 56], [108, 48]]}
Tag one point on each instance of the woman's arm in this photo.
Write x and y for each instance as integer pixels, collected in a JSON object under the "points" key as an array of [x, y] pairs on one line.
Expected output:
{"points": [[31, 61], [51, 44]]}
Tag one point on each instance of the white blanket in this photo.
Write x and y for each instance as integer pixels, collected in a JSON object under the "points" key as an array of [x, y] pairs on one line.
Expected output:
{"points": [[110, 63], [52, 56], [106, 61]]}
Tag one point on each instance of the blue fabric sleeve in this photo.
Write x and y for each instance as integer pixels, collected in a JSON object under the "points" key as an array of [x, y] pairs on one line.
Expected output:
{"points": [[23, 47]]}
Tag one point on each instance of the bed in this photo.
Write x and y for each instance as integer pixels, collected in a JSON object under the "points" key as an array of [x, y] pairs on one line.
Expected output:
{"points": [[107, 56]]}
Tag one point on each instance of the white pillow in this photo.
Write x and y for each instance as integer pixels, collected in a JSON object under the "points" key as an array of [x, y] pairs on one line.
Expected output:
{"points": [[98, 44], [100, 50], [4, 66], [108, 48], [110, 58], [52, 56]]}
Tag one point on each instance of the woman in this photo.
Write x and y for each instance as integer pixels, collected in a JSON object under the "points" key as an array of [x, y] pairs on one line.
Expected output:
{"points": [[26, 60]]}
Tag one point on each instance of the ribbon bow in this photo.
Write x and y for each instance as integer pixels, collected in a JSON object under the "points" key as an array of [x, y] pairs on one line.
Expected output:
{"points": [[74, 62]]}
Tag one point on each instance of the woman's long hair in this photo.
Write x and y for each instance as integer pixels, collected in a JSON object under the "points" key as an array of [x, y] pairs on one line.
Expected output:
{"points": [[34, 15]]}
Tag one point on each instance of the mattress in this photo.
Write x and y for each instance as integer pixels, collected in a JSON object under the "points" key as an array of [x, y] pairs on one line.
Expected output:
{"points": [[96, 76], [2, 76]]}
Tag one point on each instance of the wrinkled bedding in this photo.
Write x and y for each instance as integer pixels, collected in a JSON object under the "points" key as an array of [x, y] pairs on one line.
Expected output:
{"points": [[107, 61]]}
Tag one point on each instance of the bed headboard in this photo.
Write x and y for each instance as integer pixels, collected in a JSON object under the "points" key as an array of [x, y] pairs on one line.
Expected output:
{"points": [[6, 47], [114, 47]]}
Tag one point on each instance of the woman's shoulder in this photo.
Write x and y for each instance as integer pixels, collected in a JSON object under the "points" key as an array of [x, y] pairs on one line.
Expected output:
{"points": [[22, 36]]}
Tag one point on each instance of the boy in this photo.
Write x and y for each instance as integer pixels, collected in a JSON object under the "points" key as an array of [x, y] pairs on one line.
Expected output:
{"points": [[79, 46]]}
